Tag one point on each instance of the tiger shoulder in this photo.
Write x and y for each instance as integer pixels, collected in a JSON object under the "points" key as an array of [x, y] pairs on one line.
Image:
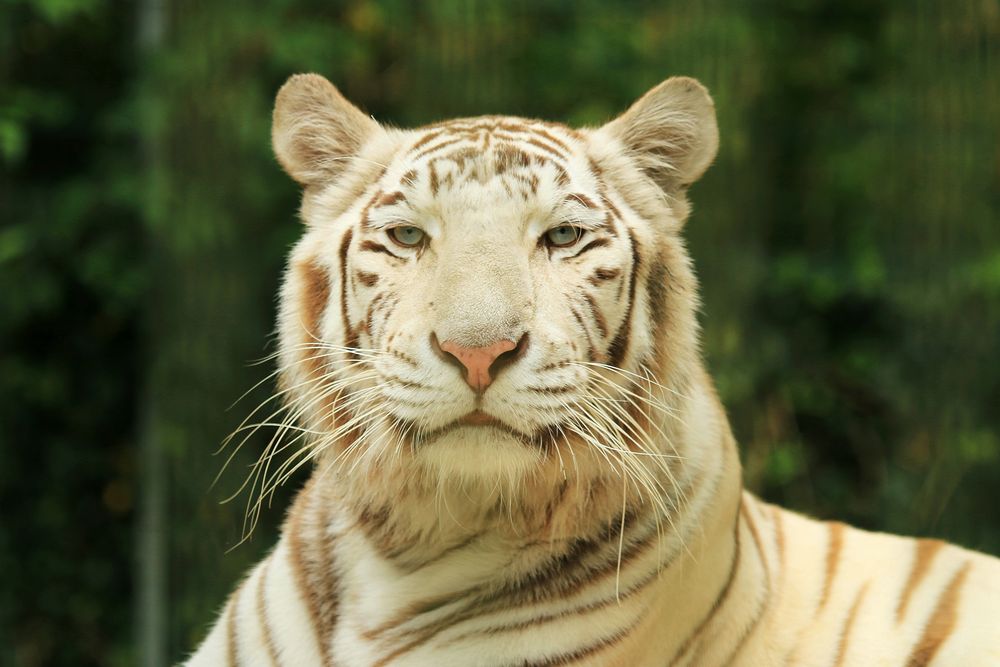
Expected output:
{"points": [[488, 353]]}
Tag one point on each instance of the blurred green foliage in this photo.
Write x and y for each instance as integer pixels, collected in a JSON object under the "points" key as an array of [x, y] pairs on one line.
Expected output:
{"points": [[847, 240]]}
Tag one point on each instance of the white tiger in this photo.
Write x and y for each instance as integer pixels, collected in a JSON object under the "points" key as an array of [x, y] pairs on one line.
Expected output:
{"points": [[488, 335]]}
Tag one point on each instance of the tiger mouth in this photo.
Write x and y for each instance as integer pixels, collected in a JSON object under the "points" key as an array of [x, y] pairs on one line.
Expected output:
{"points": [[476, 419], [479, 418]]}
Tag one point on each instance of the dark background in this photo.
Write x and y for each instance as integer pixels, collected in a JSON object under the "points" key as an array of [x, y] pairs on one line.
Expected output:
{"points": [[847, 238]]}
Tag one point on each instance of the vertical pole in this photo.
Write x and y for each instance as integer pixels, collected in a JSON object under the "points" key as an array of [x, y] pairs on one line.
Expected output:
{"points": [[151, 548]]}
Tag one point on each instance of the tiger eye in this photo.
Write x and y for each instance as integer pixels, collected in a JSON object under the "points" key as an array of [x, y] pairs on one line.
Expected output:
{"points": [[563, 236], [407, 236]]}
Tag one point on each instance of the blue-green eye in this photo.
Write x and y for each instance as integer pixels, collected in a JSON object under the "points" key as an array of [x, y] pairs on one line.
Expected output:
{"points": [[563, 236], [407, 236]]}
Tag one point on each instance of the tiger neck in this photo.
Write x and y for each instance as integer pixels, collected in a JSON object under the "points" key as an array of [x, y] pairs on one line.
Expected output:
{"points": [[469, 551]]}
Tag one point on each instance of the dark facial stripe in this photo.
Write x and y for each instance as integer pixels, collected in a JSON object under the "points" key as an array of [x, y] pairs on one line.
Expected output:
{"points": [[315, 295], [942, 621], [435, 184], [372, 246], [611, 207], [367, 279], [591, 350], [602, 324], [599, 242], [581, 198], [619, 346], [350, 338], [390, 198], [602, 275]]}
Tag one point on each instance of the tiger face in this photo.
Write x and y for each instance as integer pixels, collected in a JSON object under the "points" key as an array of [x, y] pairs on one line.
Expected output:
{"points": [[490, 300]]}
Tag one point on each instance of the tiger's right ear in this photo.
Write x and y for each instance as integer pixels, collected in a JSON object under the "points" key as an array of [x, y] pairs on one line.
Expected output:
{"points": [[315, 130], [671, 132]]}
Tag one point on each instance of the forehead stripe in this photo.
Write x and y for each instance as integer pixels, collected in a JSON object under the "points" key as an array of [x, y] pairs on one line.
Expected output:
{"points": [[545, 147], [390, 198], [581, 198], [436, 147]]}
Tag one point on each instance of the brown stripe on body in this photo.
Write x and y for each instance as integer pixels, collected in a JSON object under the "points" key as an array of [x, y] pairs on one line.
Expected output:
{"points": [[924, 552], [619, 345], [265, 626], [312, 589], [636, 588], [586, 652], [845, 633], [836, 530], [720, 599], [942, 621], [232, 645], [779, 534], [562, 576], [763, 604]]}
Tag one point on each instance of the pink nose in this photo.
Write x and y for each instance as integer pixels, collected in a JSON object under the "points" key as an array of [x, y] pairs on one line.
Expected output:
{"points": [[478, 361]]}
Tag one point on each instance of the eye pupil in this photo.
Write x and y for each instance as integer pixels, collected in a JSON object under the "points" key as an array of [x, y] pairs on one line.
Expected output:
{"points": [[564, 235], [408, 235]]}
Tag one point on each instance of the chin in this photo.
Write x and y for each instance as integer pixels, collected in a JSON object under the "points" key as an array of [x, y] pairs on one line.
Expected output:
{"points": [[479, 455]]}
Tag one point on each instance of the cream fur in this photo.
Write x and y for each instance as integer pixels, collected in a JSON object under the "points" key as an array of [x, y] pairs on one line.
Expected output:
{"points": [[419, 542]]}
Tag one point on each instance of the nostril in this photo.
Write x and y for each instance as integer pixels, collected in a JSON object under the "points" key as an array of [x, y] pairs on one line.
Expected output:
{"points": [[448, 356], [510, 356]]}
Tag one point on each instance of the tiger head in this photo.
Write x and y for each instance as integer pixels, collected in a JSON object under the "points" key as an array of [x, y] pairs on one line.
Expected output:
{"points": [[491, 302]]}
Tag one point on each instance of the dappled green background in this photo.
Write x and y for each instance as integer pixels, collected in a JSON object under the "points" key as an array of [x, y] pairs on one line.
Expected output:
{"points": [[848, 241]]}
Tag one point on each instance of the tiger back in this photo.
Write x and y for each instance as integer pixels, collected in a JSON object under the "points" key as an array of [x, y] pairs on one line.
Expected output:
{"points": [[489, 355]]}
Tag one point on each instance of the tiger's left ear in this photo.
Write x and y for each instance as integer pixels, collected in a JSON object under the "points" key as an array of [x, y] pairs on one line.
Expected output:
{"points": [[315, 130], [671, 132]]}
